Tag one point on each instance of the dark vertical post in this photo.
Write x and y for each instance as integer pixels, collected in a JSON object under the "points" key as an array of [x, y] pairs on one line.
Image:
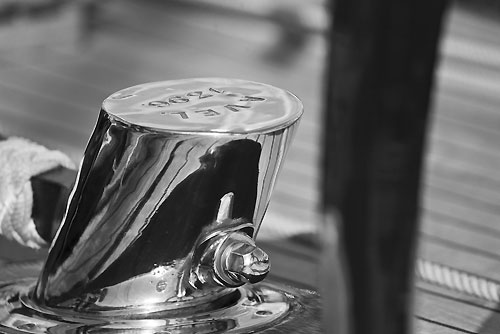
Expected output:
{"points": [[380, 77]]}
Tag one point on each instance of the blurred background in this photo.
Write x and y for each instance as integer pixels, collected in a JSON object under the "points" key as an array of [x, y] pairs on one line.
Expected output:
{"points": [[60, 59], [58, 65]]}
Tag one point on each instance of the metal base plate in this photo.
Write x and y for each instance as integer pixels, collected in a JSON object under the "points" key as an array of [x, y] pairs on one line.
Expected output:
{"points": [[260, 308]]}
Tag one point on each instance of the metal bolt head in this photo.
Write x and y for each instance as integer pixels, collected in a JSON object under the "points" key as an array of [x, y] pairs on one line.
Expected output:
{"points": [[240, 261], [247, 263]]}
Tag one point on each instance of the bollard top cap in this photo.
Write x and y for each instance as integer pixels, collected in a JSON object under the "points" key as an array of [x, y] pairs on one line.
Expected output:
{"points": [[205, 105]]}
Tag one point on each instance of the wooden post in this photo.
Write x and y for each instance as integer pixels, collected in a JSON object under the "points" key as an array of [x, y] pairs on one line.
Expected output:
{"points": [[380, 75]]}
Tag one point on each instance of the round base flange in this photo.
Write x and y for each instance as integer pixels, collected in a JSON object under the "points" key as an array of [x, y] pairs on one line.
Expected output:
{"points": [[260, 308]]}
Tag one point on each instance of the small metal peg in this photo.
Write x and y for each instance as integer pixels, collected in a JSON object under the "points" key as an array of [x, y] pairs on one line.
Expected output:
{"points": [[225, 207], [243, 262]]}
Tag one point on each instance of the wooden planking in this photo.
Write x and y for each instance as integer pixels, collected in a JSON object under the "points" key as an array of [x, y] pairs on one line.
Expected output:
{"points": [[473, 139], [40, 55], [302, 270], [68, 92], [423, 287], [438, 311], [32, 103], [455, 314], [212, 39], [108, 77], [425, 326], [471, 77], [477, 196], [446, 227], [474, 168], [473, 25], [437, 228], [174, 54], [459, 257], [43, 131], [457, 189], [460, 207]]}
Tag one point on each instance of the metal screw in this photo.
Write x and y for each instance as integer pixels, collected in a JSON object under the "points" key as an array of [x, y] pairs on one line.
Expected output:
{"points": [[242, 262]]}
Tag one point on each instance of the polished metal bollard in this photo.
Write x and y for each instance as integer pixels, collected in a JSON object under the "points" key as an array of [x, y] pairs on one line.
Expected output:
{"points": [[159, 233]]}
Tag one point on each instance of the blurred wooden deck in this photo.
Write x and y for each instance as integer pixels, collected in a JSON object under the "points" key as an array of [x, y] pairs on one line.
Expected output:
{"points": [[54, 74]]}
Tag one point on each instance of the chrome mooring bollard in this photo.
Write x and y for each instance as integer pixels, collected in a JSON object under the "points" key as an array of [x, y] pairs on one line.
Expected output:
{"points": [[159, 233]]}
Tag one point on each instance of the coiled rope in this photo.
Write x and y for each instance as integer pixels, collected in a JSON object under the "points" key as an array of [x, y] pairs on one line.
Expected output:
{"points": [[21, 159], [458, 280]]}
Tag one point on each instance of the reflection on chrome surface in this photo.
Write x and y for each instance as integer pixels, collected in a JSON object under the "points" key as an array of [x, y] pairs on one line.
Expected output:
{"points": [[170, 195], [147, 200]]}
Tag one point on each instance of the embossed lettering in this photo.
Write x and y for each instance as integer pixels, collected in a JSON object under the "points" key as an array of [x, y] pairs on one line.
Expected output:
{"points": [[178, 99], [199, 93], [208, 112], [252, 98], [215, 90], [121, 96], [158, 104], [180, 113], [234, 107]]}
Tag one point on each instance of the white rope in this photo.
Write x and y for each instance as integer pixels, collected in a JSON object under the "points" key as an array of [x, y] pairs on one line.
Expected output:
{"points": [[457, 280], [20, 159]]}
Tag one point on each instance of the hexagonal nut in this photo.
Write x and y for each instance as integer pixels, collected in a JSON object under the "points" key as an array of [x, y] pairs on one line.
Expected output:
{"points": [[247, 263]]}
